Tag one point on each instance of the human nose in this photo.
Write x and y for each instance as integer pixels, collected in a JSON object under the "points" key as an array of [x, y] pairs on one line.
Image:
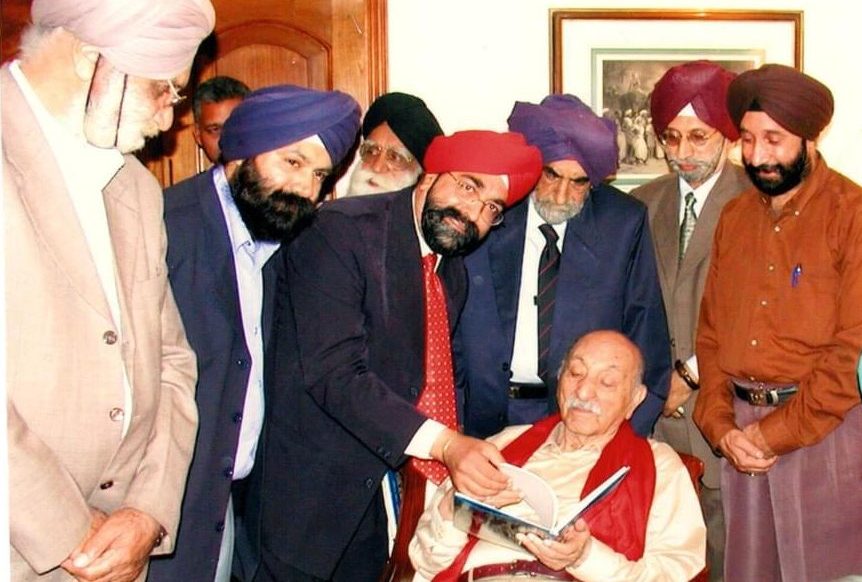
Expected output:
{"points": [[165, 118], [584, 389], [378, 164], [561, 191], [685, 148], [759, 154]]}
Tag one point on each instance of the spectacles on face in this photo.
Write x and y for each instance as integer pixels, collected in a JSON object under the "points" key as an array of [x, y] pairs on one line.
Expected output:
{"points": [[671, 138], [370, 151], [491, 211], [176, 98], [575, 184]]}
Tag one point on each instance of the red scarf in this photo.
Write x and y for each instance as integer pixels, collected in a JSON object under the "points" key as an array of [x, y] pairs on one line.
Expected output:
{"points": [[620, 520]]}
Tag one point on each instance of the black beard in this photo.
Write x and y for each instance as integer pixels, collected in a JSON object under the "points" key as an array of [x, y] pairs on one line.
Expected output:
{"points": [[269, 215], [444, 239], [790, 175]]}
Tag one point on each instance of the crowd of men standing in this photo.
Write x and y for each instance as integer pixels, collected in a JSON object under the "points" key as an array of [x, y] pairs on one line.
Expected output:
{"points": [[237, 380]]}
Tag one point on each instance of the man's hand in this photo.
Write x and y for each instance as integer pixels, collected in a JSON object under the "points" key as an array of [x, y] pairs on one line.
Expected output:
{"points": [[571, 551], [118, 550], [677, 396], [752, 431], [97, 518], [472, 464], [744, 454]]}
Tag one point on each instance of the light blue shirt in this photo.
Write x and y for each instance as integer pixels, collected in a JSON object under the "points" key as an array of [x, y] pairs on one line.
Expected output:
{"points": [[249, 257]]}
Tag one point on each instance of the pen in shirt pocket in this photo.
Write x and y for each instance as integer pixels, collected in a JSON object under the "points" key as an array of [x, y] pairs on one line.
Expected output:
{"points": [[795, 275]]}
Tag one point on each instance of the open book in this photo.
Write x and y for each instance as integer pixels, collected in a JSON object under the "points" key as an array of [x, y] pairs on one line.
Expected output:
{"points": [[498, 526]]}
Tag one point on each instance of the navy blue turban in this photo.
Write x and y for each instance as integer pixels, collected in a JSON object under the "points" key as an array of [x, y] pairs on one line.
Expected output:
{"points": [[280, 115]]}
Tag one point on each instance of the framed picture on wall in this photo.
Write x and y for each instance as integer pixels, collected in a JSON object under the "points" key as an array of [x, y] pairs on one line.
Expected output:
{"points": [[612, 58]]}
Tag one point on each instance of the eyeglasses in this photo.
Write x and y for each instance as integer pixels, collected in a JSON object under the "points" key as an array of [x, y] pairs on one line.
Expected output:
{"points": [[370, 151], [492, 211], [176, 98], [671, 138], [576, 184]]}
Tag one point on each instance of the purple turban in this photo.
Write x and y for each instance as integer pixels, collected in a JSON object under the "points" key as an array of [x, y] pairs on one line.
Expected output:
{"points": [[487, 152], [564, 128], [703, 84], [800, 104], [152, 39], [280, 115]]}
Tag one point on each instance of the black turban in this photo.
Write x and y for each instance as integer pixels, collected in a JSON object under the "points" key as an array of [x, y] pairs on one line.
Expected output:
{"points": [[800, 104], [408, 118]]}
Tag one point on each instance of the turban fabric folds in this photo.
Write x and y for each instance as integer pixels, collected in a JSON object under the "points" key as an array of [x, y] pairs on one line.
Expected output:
{"points": [[703, 84], [152, 39], [800, 104], [564, 128], [408, 118], [280, 115], [487, 152]]}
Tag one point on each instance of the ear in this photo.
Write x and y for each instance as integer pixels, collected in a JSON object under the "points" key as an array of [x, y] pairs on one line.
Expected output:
{"points": [[637, 397], [196, 134], [84, 57]]}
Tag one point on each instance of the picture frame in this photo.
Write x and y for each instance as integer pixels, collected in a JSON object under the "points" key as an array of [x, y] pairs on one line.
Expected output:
{"points": [[611, 59]]}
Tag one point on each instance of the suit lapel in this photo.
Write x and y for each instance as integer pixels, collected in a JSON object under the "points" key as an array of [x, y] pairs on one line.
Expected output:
{"points": [[506, 253], [46, 199], [666, 231], [401, 273]]}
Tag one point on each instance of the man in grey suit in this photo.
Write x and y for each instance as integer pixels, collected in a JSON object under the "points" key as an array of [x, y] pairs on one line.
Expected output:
{"points": [[691, 121]]}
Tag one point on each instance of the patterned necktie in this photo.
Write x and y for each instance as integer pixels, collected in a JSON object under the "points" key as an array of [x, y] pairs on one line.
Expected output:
{"points": [[686, 229], [437, 400], [549, 267]]}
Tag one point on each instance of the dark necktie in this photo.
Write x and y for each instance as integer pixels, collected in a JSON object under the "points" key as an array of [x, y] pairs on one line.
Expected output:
{"points": [[686, 229], [549, 267]]}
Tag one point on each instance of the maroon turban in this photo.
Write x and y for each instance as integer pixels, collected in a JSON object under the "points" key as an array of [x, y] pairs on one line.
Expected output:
{"points": [[487, 152], [800, 104], [703, 84], [564, 128]]}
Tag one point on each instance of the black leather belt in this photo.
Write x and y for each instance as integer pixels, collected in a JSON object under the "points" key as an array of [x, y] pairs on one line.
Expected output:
{"points": [[763, 393], [530, 569], [518, 391]]}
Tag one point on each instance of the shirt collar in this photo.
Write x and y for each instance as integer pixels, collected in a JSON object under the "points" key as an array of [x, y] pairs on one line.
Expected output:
{"points": [[424, 249]]}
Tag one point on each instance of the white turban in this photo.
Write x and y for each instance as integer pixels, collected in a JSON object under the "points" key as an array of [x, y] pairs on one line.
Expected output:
{"points": [[152, 39]]}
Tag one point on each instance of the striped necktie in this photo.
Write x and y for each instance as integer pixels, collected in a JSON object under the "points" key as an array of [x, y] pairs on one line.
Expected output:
{"points": [[686, 229], [549, 267]]}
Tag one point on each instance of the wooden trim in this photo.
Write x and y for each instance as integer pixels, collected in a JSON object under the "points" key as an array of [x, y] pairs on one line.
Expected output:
{"points": [[378, 43], [560, 15]]}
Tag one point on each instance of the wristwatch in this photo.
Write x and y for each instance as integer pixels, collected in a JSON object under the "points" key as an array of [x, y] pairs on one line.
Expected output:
{"points": [[683, 372]]}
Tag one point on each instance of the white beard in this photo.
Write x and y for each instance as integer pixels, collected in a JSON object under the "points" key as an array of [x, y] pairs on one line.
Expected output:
{"points": [[361, 181]]}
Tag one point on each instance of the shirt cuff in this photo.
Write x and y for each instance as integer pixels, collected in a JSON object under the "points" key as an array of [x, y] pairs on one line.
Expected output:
{"points": [[421, 443], [691, 364]]}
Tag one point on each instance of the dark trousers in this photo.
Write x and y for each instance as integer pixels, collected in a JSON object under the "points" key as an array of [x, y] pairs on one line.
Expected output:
{"points": [[362, 561]]}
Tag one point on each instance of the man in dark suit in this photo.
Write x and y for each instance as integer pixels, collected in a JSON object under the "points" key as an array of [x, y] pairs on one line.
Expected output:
{"points": [[349, 394], [223, 226], [595, 242], [690, 117]]}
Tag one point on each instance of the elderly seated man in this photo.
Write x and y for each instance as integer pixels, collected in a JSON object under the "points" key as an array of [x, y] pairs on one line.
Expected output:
{"points": [[649, 528]]}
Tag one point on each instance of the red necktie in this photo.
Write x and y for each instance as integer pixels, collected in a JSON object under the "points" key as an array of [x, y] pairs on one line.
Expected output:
{"points": [[437, 400]]}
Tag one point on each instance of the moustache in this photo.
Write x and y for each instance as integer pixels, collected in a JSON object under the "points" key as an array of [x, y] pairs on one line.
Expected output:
{"points": [[578, 404]]}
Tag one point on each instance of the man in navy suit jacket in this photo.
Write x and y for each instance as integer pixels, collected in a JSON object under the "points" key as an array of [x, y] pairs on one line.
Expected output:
{"points": [[350, 346], [223, 226], [607, 276]]}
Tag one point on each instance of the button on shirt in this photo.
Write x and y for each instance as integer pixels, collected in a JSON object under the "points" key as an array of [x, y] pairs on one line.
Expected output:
{"points": [[762, 320], [86, 171], [249, 257], [525, 354]]}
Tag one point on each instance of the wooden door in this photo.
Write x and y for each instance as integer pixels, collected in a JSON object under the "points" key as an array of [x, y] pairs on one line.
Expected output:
{"points": [[323, 44]]}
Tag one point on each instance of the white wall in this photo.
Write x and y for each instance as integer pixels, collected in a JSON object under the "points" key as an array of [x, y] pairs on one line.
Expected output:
{"points": [[472, 59]]}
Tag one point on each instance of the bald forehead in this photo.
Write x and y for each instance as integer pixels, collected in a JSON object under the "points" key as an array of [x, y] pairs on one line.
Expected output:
{"points": [[610, 348]]}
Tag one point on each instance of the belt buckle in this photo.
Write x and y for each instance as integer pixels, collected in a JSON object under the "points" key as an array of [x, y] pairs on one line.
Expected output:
{"points": [[757, 396]]}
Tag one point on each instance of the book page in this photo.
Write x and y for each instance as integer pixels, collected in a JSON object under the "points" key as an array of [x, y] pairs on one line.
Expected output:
{"points": [[537, 493], [596, 495]]}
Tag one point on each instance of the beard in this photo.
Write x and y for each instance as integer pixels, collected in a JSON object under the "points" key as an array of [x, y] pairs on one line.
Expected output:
{"points": [[789, 175], [554, 213], [269, 215], [443, 238], [702, 171], [361, 181]]}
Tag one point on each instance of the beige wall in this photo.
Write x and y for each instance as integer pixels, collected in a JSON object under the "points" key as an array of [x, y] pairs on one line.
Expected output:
{"points": [[471, 59]]}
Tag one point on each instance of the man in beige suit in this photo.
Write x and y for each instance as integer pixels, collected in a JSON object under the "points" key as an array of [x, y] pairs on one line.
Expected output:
{"points": [[100, 379], [691, 121]]}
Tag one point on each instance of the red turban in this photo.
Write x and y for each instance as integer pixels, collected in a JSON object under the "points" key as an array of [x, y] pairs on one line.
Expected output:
{"points": [[800, 104], [487, 152], [703, 84]]}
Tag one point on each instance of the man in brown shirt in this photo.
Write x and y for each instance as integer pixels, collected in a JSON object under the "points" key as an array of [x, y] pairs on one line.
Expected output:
{"points": [[779, 336]]}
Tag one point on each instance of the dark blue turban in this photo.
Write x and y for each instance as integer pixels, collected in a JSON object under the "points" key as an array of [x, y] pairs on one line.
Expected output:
{"points": [[564, 128], [280, 115]]}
